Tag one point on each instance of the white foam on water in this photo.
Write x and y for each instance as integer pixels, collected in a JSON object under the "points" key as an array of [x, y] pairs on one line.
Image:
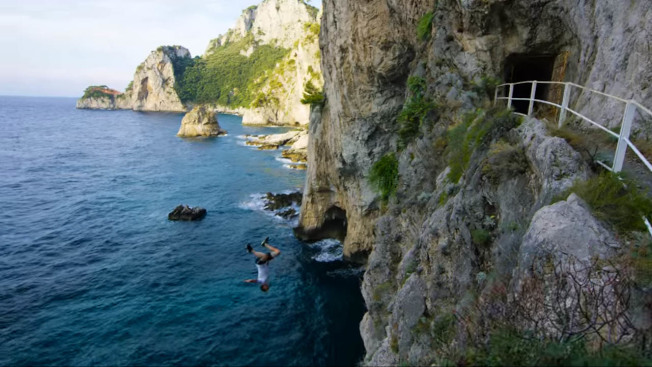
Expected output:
{"points": [[283, 160], [257, 203], [329, 250]]}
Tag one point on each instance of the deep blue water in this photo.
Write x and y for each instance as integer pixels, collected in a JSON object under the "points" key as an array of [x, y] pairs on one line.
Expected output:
{"points": [[93, 273]]}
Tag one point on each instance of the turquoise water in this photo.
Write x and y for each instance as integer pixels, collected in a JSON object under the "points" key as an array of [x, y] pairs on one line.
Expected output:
{"points": [[93, 273]]}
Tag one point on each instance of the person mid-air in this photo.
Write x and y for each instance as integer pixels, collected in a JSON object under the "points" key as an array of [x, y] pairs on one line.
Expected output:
{"points": [[262, 263]]}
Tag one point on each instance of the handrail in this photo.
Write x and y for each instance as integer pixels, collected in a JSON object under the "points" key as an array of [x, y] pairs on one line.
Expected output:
{"points": [[631, 107]]}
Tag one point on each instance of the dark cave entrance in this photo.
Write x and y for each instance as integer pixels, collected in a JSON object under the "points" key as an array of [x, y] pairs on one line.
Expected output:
{"points": [[334, 226], [525, 67], [335, 223]]}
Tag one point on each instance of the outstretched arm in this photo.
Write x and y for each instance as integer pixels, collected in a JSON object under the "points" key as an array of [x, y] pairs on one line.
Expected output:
{"points": [[251, 281]]}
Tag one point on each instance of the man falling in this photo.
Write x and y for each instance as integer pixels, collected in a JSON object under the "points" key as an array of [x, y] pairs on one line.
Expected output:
{"points": [[262, 263]]}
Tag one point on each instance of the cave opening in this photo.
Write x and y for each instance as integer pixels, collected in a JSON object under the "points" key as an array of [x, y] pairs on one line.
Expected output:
{"points": [[335, 223], [526, 67], [334, 226]]}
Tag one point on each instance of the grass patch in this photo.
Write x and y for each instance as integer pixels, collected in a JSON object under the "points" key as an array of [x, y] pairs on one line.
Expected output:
{"points": [[641, 261], [504, 161], [616, 201], [480, 237], [383, 176], [589, 142], [424, 26], [415, 111], [485, 86], [507, 347], [443, 328], [476, 130]]}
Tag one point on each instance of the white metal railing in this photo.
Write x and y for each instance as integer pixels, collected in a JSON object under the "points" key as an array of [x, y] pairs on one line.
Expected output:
{"points": [[631, 108]]}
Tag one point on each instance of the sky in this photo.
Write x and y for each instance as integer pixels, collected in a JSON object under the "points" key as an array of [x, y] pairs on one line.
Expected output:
{"points": [[59, 47]]}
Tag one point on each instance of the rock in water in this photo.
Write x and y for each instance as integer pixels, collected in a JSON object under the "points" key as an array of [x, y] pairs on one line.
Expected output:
{"points": [[200, 121], [184, 212], [278, 201]]}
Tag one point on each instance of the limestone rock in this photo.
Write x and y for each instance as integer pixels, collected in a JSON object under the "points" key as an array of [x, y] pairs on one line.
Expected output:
{"points": [[186, 213], [200, 121], [153, 84], [283, 205], [272, 21], [103, 98], [453, 235], [298, 151], [274, 141], [565, 229], [278, 201], [290, 24]]}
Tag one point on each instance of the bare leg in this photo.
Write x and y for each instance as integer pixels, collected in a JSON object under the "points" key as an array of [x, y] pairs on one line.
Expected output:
{"points": [[274, 250], [259, 255]]}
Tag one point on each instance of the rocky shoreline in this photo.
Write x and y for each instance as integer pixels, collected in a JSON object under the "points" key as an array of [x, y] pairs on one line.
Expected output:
{"points": [[296, 140]]}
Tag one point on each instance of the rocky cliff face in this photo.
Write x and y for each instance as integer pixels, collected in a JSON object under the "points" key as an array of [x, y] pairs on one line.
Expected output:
{"points": [[107, 102], [152, 88], [153, 84], [464, 234], [288, 24]]}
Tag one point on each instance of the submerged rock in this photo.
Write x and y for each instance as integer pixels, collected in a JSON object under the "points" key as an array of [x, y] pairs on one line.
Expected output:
{"points": [[201, 121], [186, 213]]}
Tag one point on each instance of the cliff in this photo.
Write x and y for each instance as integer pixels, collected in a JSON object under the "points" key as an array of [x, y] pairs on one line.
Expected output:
{"points": [[152, 88], [103, 98], [448, 201], [153, 84], [259, 69], [264, 62]]}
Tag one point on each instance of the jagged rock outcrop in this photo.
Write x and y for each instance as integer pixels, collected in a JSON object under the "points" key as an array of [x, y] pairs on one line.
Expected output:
{"points": [[298, 151], [152, 88], [153, 84], [200, 121], [445, 257], [103, 98], [288, 24]]}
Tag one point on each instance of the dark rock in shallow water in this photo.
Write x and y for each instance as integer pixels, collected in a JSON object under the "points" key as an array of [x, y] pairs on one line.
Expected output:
{"points": [[184, 212], [278, 201], [288, 214]]}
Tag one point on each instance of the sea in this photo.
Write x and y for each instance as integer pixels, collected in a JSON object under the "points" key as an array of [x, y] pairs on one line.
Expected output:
{"points": [[92, 273]]}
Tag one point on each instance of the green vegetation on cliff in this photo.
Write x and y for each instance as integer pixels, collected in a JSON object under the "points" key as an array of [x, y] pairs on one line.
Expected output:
{"points": [[96, 91], [383, 176], [476, 129], [226, 76], [424, 27], [312, 95], [615, 200], [414, 112]]}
